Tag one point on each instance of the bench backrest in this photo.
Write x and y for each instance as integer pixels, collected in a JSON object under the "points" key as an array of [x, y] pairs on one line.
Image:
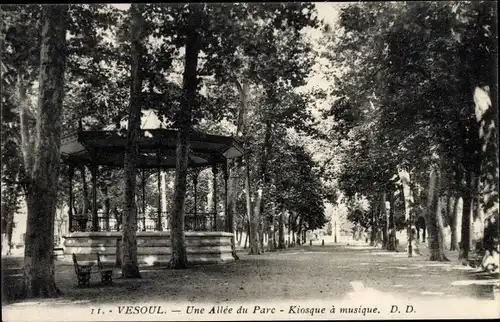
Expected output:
{"points": [[99, 263], [75, 264]]}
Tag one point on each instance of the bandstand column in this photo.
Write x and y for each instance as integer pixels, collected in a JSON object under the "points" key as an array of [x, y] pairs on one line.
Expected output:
{"points": [[226, 214], [143, 181], [70, 212], [158, 223], [95, 221], [195, 193], [214, 172], [106, 207]]}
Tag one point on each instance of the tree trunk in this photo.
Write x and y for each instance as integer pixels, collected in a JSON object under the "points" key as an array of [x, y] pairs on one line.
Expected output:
{"points": [[434, 218], [262, 224], [259, 208], [11, 201], [188, 101], [289, 229], [130, 266], [299, 232], [385, 215], [272, 228], [41, 197], [253, 223], [404, 176], [118, 253], [254, 240], [468, 194], [477, 213], [243, 89], [373, 227], [231, 204], [281, 231], [453, 224], [392, 226], [239, 234], [247, 236]]}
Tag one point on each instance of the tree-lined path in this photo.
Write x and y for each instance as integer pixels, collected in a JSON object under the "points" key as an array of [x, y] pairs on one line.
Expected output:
{"points": [[188, 133], [301, 273]]}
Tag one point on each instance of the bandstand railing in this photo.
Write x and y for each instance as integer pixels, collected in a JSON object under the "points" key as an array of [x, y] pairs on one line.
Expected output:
{"points": [[201, 221]]}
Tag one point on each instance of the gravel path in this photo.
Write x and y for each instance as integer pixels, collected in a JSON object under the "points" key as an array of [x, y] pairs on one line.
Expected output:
{"points": [[302, 273]]}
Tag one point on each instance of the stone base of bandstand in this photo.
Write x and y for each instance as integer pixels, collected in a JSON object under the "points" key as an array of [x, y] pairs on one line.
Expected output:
{"points": [[153, 248]]}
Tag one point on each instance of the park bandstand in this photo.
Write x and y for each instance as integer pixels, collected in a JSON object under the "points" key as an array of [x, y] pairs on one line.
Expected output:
{"points": [[208, 235]]}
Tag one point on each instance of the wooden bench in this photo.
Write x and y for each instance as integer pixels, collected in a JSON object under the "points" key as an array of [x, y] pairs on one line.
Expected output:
{"points": [[83, 272], [106, 274]]}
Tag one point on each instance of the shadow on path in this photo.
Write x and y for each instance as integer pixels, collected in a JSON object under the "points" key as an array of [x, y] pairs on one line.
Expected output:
{"points": [[300, 273]]}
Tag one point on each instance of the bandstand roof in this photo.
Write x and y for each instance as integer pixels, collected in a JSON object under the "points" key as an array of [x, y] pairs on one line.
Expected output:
{"points": [[157, 148]]}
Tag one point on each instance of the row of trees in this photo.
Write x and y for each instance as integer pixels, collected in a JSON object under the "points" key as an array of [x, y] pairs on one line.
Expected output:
{"points": [[227, 69], [415, 94]]}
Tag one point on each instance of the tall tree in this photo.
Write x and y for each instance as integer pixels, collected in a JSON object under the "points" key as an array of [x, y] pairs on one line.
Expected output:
{"points": [[398, 62], [42, 166], [130, 267], [184, 119]]}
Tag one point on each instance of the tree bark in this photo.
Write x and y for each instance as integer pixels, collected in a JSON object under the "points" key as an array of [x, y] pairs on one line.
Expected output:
{"points": [[299, 231], [392, 227], [261, 223], [254, 240], [453, 224], [118, 253], [281, 231], [130, 266], [247, 236], [385, 215], [404, 176], [272, 228], [253, 223], [468, 194], [188, 101], [373, 230], [9, 223], [41, 197], [434, 218], [27, 142], [243, 89], [231, 204], [289, 230]]}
